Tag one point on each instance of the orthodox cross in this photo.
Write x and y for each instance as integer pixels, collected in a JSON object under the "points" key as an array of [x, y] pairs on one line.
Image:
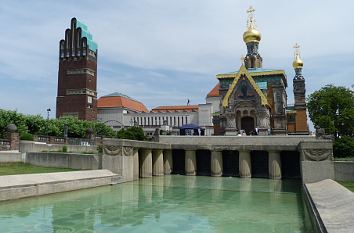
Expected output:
{"points": [[251, 21], [297, 50]]}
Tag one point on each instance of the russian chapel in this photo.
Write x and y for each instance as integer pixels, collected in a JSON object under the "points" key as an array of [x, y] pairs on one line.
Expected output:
{"points": [[253, 99]]}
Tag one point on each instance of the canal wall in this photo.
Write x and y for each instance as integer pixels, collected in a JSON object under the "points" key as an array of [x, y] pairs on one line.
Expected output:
{"points": [[29, 185], [331, 206]]}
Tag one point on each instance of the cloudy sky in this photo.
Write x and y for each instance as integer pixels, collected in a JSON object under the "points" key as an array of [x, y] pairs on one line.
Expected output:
{"points": [[163, 52]]}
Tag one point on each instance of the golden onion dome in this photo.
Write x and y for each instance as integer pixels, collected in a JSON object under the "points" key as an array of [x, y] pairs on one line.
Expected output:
{"points": [[298, 63], [251, 35]]}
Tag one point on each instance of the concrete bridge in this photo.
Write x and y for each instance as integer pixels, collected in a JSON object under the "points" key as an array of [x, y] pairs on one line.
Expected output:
{"points": [[273, 157]]}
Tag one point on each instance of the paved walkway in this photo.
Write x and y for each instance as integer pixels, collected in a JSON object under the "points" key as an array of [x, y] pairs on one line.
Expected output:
{"points": [[19, 186], [335, 204]]}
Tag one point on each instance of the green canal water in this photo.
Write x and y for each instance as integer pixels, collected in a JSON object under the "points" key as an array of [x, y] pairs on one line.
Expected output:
{"points": [[165, 204]]}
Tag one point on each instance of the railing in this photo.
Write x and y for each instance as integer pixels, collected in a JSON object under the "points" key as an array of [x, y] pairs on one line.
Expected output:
{"points": [[4, 144], [69, 141]]}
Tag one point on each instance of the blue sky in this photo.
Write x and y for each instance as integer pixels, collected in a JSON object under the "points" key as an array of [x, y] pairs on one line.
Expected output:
{"points": [[165, 52]]}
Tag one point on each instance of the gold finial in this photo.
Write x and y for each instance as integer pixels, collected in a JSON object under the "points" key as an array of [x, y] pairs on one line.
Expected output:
{"points": [[251, 21], [298, 63]]}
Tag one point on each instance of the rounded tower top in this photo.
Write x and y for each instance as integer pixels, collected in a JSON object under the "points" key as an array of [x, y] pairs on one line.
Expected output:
{"points": [[297, 63], [251, 35]]}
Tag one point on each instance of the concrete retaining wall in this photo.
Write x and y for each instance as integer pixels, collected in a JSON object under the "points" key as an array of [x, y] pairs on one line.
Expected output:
{"points": [[344, 170], [29, 146], [64, 160], [10, 156]]}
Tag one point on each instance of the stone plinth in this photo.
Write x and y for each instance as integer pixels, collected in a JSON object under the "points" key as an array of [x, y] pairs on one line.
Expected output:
{"points": [[157, 163], [216, 163], [145, 162], [274, 165], [190, 163], [168, 162], [245, 164]]}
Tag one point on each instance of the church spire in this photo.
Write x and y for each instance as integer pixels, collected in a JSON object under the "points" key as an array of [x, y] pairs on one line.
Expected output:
{"points": [[297, 63], [298, 81], [252, 37]]}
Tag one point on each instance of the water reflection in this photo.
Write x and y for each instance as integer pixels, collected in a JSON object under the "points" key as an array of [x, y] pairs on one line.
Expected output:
{"points": [[169, 204]]}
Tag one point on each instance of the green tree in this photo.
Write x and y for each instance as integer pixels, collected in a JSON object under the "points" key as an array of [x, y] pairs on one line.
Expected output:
{"points": [[332, 108]]}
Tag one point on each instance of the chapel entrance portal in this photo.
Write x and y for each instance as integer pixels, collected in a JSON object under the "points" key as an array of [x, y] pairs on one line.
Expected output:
{"points": [[247, 124]]}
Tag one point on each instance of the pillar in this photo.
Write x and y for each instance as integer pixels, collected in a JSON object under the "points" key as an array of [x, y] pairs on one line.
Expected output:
{"points": [[190, 163], [145, 161], [216, 163], [274, 165], [245, 164], [167, 161], [157, 163], [135, 164]]}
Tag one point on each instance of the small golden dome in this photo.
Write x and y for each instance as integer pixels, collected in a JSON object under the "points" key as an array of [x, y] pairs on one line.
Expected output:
{"points": [[251, 35], [298, 63]]}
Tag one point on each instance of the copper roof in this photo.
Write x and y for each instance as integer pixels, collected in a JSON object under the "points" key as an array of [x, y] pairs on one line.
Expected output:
{"points": [[215, 91], [118, 100], [176, 108]]}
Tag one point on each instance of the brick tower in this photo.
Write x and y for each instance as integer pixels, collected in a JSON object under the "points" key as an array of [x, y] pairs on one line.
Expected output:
{"points": [[77, 76]]}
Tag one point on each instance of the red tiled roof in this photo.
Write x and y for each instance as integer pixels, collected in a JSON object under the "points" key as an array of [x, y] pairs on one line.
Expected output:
{"points": [[215, 91], [176, 108], [122, 102]]}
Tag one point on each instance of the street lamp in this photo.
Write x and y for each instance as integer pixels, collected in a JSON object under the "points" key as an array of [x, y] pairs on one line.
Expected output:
{"points": [[48, 112]]}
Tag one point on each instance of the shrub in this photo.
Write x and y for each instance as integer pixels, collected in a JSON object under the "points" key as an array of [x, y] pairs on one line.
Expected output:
{"points": [[26, 136], [343, 147]]}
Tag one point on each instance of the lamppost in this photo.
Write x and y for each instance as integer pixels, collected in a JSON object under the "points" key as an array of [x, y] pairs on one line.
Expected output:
{"points": [[48, 112]]}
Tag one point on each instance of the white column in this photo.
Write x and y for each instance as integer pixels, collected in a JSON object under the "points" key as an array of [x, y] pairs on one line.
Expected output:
{"points": [[274, 165], [145, 163], [190, 163], [168, 162], [216, 163], [135, 164], [157, 163], [245, 164]]}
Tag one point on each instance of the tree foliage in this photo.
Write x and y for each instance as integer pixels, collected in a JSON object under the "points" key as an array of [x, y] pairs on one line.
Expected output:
{"points": [[332, 108], [37, 125], [133, 133]]}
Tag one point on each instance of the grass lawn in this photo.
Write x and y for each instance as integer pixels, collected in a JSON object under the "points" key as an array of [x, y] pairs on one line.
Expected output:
{"points": [[23, 168], [348, 184], [344, 159]]}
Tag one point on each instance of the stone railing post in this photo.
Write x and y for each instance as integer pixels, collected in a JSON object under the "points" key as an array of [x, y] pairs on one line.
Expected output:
{"points": [[274, 165], [216, 163], [245, 164], [157, 163], [168, 161], [145, 162], [190, 163], [13, 137]]}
